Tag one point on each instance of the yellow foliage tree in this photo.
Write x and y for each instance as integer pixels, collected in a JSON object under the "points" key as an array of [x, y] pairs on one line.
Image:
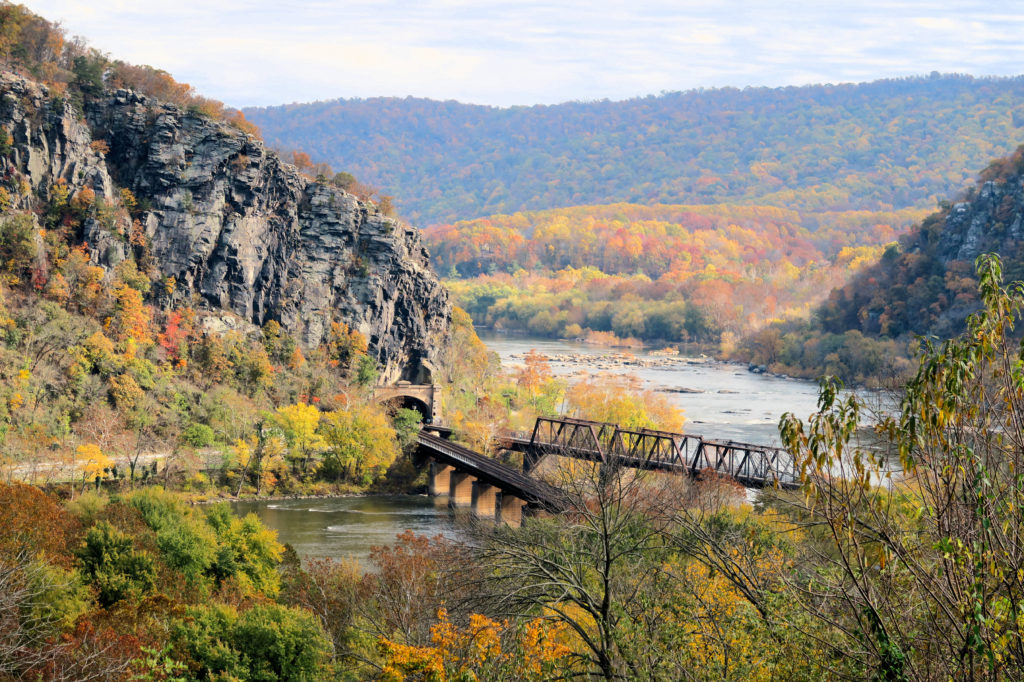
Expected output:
{"points": [[299, 424], [620, 399], [483, 650], [89, 458], [361, 443]]}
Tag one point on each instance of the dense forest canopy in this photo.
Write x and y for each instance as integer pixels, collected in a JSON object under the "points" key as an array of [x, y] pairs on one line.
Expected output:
{"points": [[655, 273], [874, 146]]}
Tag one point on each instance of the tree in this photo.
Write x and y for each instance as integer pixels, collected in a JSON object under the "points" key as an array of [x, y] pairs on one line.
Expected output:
{"points": [[483, 649], [132, 318], [618, 399], [921, 573], [534, 375], [92, 462], [366, 371], [37, 601], [112, 565], [247, 551], [89, 75], [266, 642], [333, 591], [360, 444], [416, 576], [17, 244], [299, 424], [596, 568]]}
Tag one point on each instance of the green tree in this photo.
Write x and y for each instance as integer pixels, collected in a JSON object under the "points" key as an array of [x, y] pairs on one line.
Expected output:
{"points": [[366, 371], [186, 542], [112, 565], [922, 571], [88, 72], [267, 643], [247, 551]]}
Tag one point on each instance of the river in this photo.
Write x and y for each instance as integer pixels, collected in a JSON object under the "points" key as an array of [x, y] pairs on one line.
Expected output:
{"points": [[725, 402], [347, 527]]}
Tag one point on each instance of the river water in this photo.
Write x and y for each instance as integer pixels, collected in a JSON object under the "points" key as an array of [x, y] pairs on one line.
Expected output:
{"points": [[347, 527], [726, 402]]}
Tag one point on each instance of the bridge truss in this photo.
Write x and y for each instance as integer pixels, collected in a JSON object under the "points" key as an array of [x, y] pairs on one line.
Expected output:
{"points": [[750, 465]]}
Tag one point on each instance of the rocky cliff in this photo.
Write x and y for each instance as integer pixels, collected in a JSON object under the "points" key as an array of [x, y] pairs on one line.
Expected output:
{"points": [[228, 225]]}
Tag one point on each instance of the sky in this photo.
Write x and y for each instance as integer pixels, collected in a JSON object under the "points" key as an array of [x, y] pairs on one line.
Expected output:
{"points": [[256, 53]]}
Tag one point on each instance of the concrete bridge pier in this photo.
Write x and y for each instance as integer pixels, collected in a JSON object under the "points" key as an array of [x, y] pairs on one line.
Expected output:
{"points": [[440, 479], [460, 489], [485, 499], [510, 510]]}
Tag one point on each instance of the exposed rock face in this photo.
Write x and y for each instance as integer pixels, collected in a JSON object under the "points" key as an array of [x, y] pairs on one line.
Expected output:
{"points": [[991, 221], [236, 227]]}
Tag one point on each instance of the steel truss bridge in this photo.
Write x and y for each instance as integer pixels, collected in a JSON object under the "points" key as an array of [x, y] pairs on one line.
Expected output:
{"points": [[751, 465]]}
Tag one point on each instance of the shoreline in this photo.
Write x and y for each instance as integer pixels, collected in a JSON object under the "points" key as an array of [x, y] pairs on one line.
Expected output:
{"points": [[285, 498], [585, 363]]}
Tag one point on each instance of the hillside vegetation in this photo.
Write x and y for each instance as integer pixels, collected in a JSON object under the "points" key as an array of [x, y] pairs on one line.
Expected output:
{"points": [[667, 273], [874, 146], [41, 49], [923, 285]]}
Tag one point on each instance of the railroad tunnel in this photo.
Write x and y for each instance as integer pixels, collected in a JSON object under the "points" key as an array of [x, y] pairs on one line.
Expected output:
{"points": [[424, 398]]}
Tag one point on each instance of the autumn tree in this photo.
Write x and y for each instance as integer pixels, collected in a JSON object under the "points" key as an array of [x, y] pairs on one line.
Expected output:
{"points": [[299, 424], [360, 444], [921, 572], [619, 399], [93, 464], [595, 569]]}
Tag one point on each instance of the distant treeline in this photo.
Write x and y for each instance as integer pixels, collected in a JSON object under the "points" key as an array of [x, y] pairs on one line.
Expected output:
{"points": [[876, 146], [655, 273]]}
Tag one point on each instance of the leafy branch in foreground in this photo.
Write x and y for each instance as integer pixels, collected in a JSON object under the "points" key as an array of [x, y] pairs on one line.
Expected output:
{"points": [[922, 573]]}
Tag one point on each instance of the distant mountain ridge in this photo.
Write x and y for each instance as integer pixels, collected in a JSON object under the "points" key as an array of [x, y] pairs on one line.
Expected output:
{"points": [[883, 145]]}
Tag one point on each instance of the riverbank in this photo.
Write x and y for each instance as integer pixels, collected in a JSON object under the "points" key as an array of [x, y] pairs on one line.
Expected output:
{"points": [[289, 498]]}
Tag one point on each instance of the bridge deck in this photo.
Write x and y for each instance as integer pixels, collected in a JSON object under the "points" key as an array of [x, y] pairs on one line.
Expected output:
{"points": [[489, 471]]}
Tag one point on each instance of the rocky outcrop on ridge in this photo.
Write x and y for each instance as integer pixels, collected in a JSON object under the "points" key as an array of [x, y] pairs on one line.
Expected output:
{"points": [[926, 283], [229, 225]]}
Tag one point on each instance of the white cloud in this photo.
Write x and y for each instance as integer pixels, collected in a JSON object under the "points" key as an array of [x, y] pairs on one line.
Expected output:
{"points": [[504, 52]]}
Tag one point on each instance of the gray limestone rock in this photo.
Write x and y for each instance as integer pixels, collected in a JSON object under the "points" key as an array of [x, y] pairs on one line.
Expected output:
{"points": [[238, 229]]}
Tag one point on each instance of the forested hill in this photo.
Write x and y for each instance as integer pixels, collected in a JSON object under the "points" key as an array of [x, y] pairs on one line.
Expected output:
{"points": [[656, 273], [924, 284], [876, 146]]}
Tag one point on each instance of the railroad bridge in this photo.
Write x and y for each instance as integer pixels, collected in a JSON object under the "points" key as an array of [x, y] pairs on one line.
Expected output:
{"points": [[495, 490], [754, 466]]}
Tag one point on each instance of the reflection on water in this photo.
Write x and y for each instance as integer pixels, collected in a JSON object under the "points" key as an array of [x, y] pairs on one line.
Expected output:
{"points": [[727, 402], [347, 527]]}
